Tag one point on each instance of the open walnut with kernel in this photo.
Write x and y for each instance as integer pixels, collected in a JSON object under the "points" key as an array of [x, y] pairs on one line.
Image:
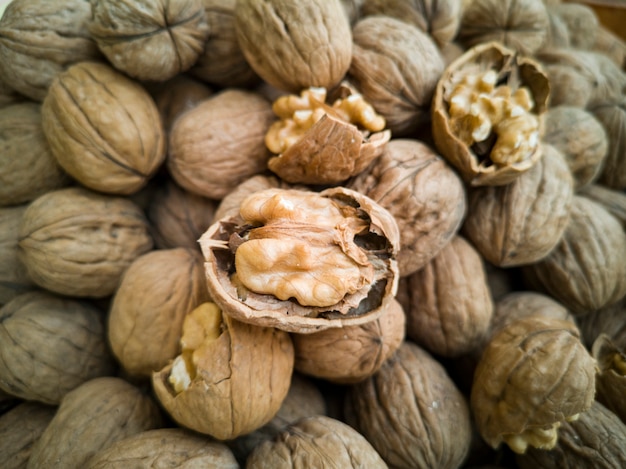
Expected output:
{"points": [[320, 143], [303, 261]]}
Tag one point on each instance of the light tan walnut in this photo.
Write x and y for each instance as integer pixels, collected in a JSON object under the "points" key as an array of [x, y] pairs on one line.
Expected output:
{"points": [[14, 279], [612, 200], [581, 22], [613, 119], [609, 43]]}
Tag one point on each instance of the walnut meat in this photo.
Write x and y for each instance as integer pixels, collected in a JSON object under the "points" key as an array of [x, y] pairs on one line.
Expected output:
{"points": [[14, 278], [303, 261], [150, 40], [293, 46], [422, 192], [146, 317], [231, 377], [116, 151], [533, 375], [78, 243]]}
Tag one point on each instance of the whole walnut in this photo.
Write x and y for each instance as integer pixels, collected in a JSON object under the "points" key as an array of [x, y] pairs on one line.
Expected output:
{"points": [[521, 223], [412, 412], [613, 119], [27, 167], [581, 22], [449, 305], [90, 418], [40, 39], [76, 242], [149, 40], [14, 278], [422, 192], [609, 320], [293, 46], [164, 447], [558, 33], [396, 67], [610, 44], [611, 377], [156, 292], [50, 345], [612, 200], [586, 270], [220, 143], [230, 379], [116, 151]]}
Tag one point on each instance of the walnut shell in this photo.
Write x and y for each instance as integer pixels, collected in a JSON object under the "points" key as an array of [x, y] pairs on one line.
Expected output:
{"points": [[612, 45], [558, 33], [14, 279], [146, 316], [295, 46], [116, 151], [50, 346], [150, 40], [381, 240], [241, 378], [352, 353], [318, 441], [522, 222], [580, 138], [164, 447], [40, 39], [411, 412], [422, 192], [90, 418], [609, 320], [78, 243], [28, 168], [396, 67], [611, 378], [534, 374], [220, 143], [587, 269], [581, 22], [8, 96], [613, 119], [613, 201], [449, 303]]}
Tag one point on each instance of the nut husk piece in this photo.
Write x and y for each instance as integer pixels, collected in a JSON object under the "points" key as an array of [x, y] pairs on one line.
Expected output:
{"points": [[368, 303], [613, 118], [611, 378], [50, 345], [150, 40], [116, 151], [164, 447], [40, 39], [14, 279], [90, 418], [241, 379], [612, 200], [422, 192], [76, 242], [318, 441], [293, 46], [533, 375], [352, 353], [474, 164], [411, 412], [27, 167], [146, 316]]}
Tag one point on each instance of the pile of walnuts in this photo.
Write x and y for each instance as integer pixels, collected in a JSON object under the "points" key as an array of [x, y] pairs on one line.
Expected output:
{"points": [[338, 233]]}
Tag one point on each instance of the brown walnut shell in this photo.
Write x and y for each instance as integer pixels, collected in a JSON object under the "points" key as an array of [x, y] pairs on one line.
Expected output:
{"points": [[613, 118], [78, 243], [611, 45], [581, 22], [611, 378], [612, 200], [14, 279], [610, 320], [558, 33], [150, 40], [8, 96]]}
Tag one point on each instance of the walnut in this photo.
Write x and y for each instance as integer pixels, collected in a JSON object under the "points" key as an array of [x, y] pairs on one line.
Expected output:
{"points": [[318, 441], [28, 168], [14, 278], [303, 261], [230, 378], [580, 138], [596, 439], [398, 85], [148, 309], [533, 375], [558, 33], [294, 46], [586, 270], [78, 243], [353, 353], [412, 412], [150, 40], [522, 222], [450, 52], [20, 428], [611, 45], [422, 192], [164, 447], [179, 217], [449, 303], [608, 320], [8, 96], [90, 418], [219, 143], [487, 114], [521, 25], [581, 22], [613, 119], [39, 39], [611, 378], [613, 201], [319, 143]]}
